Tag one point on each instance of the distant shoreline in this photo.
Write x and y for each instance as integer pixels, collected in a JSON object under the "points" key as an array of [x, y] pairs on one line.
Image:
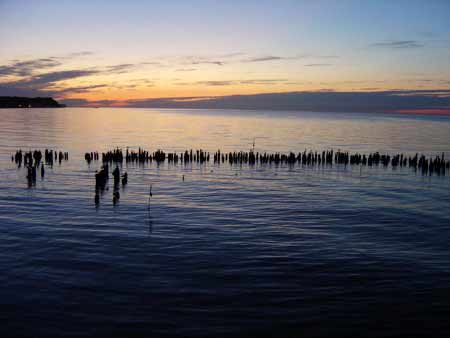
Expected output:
{"points": [[17, 102], [29, 102], [410, 101]]}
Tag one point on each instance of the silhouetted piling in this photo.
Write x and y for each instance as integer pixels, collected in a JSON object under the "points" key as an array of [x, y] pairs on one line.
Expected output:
{"points": [[124, 179], [437, 165], [116, 175]]}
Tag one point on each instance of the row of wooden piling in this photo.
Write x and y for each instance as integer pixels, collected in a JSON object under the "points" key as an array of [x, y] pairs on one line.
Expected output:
{"points": [[34, 157], [427, 165], [34, 161]]}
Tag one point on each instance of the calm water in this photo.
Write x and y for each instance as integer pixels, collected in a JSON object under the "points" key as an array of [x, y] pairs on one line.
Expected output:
{"points": [[231, 251]]}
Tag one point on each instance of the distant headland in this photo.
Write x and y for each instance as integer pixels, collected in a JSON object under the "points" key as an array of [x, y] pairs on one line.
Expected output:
{"points": [[29, 102]]}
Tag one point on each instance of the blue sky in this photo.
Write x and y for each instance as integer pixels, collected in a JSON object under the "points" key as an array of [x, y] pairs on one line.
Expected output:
{"points": [[100, 50]]}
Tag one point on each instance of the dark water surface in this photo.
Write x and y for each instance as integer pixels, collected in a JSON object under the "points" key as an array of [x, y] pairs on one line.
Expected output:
{"points": [[231, 251]]}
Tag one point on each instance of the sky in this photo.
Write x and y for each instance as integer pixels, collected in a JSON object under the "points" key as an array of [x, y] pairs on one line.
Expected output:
{"points": [[117, 52]]}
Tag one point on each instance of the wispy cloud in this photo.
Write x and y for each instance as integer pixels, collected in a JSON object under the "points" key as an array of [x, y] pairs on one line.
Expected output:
{"points": [[28, 67], [47, 84], [318, 65], [215, 83], [185, 69], [231, 55], [206, 62], [83, 53], [228, 58], [267, 58], [132, 85], [19, 89], [81, 89], [52, 77], [144, 81], [398, 44], [49, 76], [264, 58], [218, 60], [234, 82], [263, 81], [121, 68], [182, 83], [24, 68], [197, 60], [43, 75], [157, 64]]}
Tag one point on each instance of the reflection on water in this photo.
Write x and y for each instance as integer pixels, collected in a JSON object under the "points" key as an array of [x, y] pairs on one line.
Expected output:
{"points": [[248, 251], [84, 129]]}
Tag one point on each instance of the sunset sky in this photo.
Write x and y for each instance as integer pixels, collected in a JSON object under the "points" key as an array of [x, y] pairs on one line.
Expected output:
{"points": [[122, 50]]}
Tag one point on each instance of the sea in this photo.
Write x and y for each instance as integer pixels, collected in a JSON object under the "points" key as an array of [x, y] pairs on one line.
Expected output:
{"points": [[222, 250]]}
